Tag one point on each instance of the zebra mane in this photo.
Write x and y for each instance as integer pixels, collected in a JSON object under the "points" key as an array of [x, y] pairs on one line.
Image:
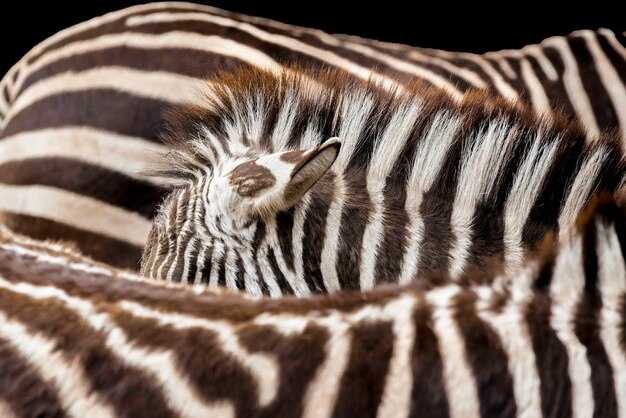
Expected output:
{"points": [[265, 112]]}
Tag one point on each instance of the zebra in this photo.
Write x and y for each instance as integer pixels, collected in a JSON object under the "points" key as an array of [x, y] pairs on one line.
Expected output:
{"points": [[79, 338], [80, 112], [419, 184]]}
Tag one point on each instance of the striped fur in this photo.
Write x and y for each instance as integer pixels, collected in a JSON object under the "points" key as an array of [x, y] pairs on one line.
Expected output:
{"points": [[81, 339], [81, 111], [420, 185]]}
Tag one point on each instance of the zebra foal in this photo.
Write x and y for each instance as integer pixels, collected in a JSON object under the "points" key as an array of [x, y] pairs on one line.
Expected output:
{"points": [[302, 182], [79, 339]]}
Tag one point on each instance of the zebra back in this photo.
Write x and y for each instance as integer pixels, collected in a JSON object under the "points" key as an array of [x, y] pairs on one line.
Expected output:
{"points": [[78, 338]]}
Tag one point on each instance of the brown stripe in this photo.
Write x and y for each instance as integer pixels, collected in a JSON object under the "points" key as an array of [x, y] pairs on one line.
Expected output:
{"points": [[363, 381], [299, 358], [105, 109], [105, 249], [127, 389], [551, 359], [110, 289], [23, 389], [428, 394], [198, 354], [487, 359], [118, 25], [283, 284], [615, 58], [85, 179], [189, 62]]}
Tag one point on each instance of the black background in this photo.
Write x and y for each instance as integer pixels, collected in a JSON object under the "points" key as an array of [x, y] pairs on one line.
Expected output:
{"points": [[440, 24]]}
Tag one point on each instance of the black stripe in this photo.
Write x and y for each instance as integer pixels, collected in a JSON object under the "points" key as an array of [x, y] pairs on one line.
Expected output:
{"points": [[601, 104], [428, 396], [551, 359], [314, 229], [99, 247], [239, 278], [23, 389], [85, 179], [436, 211], [557, 93], [105, 109], [284, 230], [587, 330], [206, 267], [193, 261], [364, 378], [221, 272], [616, 59], [283, 284], [354, 218], [565, 165], [487, 359]]}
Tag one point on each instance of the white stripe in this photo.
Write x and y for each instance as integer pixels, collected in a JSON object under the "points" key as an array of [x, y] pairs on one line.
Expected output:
{"points": [[354, 112], [566, 290], [433, 148], [503, 63], [276, 39], [499, 82], [536, 51], [173, 39], [387, 150], [5, 409], [125, 154], [285, 120], [459, 382], [511, 328], [480, 169], [609, 77], [80, 28], [612, 277], [395, 401], [170, 228], [297, 237], [193, 243], [268, 278], [406, 67], [216, 258], [250, 278], [264, 368], [178, 392], [321, 394], [538, 97], [76, 210], [168, 87], [581, 190], [523, 195], [573, 84], [204, 247], [66, 376]]}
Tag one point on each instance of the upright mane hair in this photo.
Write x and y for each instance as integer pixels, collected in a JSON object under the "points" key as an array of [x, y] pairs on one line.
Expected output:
{"points": [[308, 181]]}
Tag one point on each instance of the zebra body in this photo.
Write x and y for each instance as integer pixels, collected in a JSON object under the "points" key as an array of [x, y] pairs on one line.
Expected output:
{"points": [[420, 184], [78, 338], [81, 112]]}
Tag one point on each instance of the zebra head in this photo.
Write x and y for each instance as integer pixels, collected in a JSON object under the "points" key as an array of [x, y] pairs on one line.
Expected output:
{"points": [[206, 228]]}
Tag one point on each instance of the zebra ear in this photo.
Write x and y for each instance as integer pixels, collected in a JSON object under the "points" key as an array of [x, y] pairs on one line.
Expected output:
{"points": [[278, 181], [309, 167]]}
